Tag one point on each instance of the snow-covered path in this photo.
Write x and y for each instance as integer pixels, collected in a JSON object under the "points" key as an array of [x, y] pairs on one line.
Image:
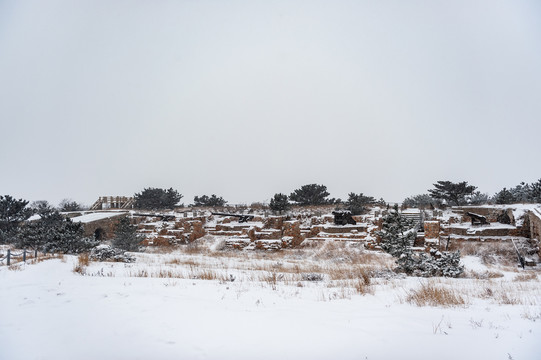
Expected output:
{"points": [[49, 312]]}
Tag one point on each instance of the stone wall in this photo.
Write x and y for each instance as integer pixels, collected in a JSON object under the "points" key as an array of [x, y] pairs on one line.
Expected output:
{"points": [[535, 227], [432, 229], [106, 227], [491, 213]]}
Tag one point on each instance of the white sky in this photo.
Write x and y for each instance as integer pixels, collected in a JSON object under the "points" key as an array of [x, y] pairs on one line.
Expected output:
{"points": [[249, 98]]}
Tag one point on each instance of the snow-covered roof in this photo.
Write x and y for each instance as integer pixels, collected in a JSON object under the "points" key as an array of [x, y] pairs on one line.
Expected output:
{"points": [[87, 218]]}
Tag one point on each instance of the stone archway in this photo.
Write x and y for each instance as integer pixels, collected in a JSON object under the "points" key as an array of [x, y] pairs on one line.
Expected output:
{"points": [[99, 234]]}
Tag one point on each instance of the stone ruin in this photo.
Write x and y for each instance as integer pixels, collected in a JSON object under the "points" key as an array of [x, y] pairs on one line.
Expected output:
{"points": [[436, 229]]}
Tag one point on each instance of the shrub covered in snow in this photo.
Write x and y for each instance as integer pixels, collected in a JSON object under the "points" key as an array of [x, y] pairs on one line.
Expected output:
{"points": [[54, 233], [109, 253], [438, 264], [397, 238], [312, 277]]}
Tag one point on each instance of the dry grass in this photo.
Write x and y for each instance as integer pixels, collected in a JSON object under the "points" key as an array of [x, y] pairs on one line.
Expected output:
{"points": [[501, 253], [484, 275], [83, 260], [432, 293], [349, 272], [526, 277]]}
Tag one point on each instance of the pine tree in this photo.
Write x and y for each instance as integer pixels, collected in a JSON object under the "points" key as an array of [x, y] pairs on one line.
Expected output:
{"points": [[453, 193], [126, 236], [357, 203], [279, 203], [421, 201], [155, 198], [536, 191], [397, 238], [397, 235], [478, 198], [67, 205], [205, 200], [54, 233], [504, 197], [312, 194], [12, 213]]}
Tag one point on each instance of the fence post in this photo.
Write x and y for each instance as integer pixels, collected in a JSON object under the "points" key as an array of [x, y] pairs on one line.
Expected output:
{"points": [[35, 253], [9, 257], [24, 255]]}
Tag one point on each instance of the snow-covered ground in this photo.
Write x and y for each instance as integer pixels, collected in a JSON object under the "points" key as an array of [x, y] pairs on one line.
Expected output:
{"points": [[161, 307]]}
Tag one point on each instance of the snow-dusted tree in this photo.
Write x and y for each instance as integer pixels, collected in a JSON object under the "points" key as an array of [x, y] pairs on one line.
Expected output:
{"points": [[205, 200], [41, 207], [421, 201], [12, 213], [453, 193], [504, 197], [397, 238], [54, 233], [397, 234], [311, 194], [521, 192], [536, 191], [69, 205], [155, 198], [279, 203], [437, 264], [478, 198], [126, 236], [357, 203]]}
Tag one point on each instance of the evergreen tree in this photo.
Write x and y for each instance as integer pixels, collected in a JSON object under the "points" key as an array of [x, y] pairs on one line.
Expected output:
{"points": [[453, 193], [478, 198], [212, 201], [421, 201], [126, 236], [311, 194], [504, 197], [536, 191], [54, 233], [41, 207], [67, 205], [397, 238], [397, 233], [155, 198], [279, 203], [522, 193], [357, 203], [12, 213]]}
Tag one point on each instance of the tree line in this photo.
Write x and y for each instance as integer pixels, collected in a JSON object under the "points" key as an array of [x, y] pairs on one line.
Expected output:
{"points": [[443, 193]]}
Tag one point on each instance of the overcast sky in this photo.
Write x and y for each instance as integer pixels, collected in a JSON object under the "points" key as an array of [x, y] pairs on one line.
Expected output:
{"points": [[245, 99]]}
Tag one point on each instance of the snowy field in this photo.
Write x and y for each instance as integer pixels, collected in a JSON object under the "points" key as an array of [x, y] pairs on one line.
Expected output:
{"points": [[326, 302]]}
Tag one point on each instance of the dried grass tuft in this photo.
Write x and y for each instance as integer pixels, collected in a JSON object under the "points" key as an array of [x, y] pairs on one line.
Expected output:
{"points": [[430, 294]]}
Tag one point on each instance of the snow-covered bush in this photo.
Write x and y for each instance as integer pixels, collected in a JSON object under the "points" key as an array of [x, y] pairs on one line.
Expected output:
{"points": [[312, 277], [397, 239], [437, 264], [54, 233], [109, 253], [397, 233]]}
